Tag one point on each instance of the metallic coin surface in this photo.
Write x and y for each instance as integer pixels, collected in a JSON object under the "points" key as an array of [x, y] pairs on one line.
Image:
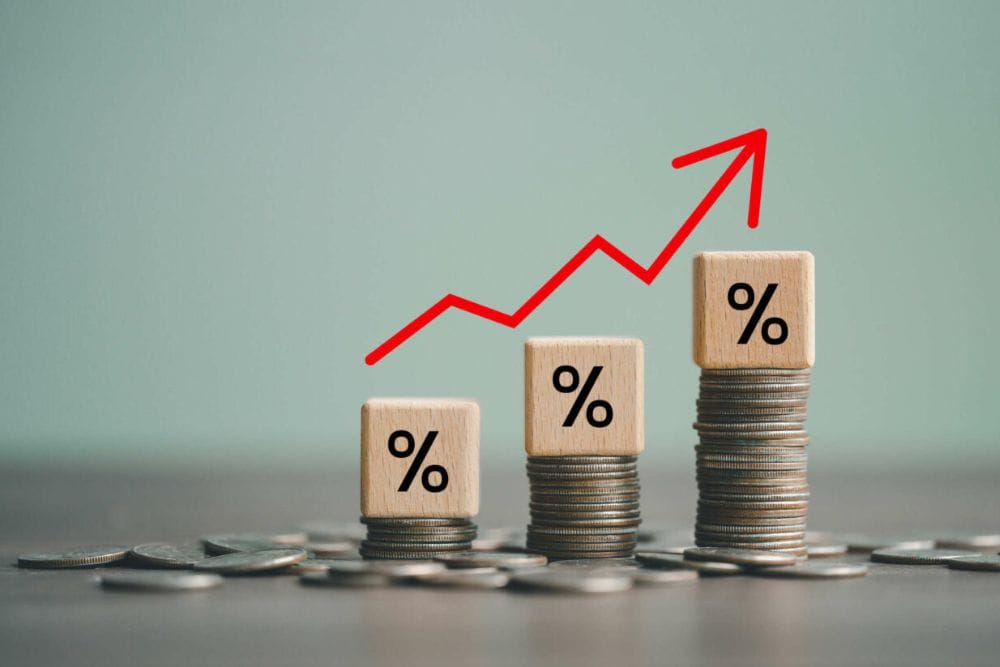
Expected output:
{"points": [[315, 565], [79, 557], [865, 544], [237, 543], [594, 563], [142, 580], [252, 561], [918, 556], [661, 577], [814, 571], [395, 568], [356, 580], [825, 549], [754, 557], [164, 554], [970, 542], [485, 578], [980, 563], [497, 559], [669, 561], [568, 581]]}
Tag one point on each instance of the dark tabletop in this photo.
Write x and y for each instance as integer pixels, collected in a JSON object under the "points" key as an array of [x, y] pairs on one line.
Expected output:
{"points": [[897, 615]]}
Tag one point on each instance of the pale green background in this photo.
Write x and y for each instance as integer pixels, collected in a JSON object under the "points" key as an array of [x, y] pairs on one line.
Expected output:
{"points": [[212, 211]]}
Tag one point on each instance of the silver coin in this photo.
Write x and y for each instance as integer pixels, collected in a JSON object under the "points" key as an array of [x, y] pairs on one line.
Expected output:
{"points": [[252, 561], [333, 531], [594, 564], [139, 580], [824, 549], [980, 562], [485, 578], [580, 459], [390, 568], [79, 557], [970, 542], [814, 571], [669, 561], [493, 538], [658, 577], [918, 556], [752, 557], [568, 581], [357, 580], [237, 543], [315, 565], [328, 549], [163, 554], [867, 544], [497, 559]]}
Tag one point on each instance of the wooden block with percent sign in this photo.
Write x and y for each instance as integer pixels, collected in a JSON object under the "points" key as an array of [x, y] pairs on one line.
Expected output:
{"points": [[419, 458], [583, 396], [754, 310]]}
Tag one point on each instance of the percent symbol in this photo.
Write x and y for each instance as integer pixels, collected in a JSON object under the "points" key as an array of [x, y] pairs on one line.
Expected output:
{"points": [[418, 461], [581, 398], [758, 312]]}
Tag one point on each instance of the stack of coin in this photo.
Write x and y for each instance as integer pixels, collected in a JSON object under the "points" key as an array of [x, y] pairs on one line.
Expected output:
{"points": [[416, 538], [583, 506], [751, 460]]}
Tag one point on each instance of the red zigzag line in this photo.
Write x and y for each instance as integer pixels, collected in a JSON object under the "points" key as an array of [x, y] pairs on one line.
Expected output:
{"points": [[753, 145]]}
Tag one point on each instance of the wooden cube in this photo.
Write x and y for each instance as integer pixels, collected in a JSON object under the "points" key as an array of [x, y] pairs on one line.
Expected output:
{"points": [[583, 396], [754, 310], [419, 457]]}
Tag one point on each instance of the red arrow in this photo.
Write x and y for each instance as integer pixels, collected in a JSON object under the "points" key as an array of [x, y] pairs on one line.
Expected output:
{"points": [[753, 145]]}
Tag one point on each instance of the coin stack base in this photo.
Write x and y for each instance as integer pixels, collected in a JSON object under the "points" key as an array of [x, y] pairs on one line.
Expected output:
{"points": [[751, 460], [583, 506], [415, 538]]}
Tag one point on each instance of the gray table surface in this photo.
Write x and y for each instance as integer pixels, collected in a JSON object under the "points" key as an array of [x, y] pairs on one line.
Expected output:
{"points": [[896, 615]]}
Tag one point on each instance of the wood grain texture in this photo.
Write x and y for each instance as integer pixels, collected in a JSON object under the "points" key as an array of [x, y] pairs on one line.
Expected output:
{"points": [[620, 383], [456, 447], [718, 326]]}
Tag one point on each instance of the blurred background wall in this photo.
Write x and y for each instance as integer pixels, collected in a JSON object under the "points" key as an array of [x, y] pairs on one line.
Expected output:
{"points": [[211, 211]]}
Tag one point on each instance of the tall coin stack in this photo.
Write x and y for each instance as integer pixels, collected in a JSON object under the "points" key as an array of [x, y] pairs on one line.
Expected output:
{"points": [[751, 459], [583, 506], [416, 538]]}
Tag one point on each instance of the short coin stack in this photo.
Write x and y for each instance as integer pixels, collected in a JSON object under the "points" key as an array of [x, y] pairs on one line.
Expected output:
{"points": [[416, 538], [583, 506], [751, 460]]}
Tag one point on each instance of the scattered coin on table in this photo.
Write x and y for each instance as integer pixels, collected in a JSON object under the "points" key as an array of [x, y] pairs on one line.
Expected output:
{"points": [[594, 564], [79, 557], [237, 543], [970, 542], [752, 557], [497, 559], [567, 581], [865, 544], [390, 568], [250, 562], [164, 554], [825, 549], [344, 580], [979, 562], [480, 578], [814, 571], [669, 561], [645, 576], [142, 580], [918, 556]]}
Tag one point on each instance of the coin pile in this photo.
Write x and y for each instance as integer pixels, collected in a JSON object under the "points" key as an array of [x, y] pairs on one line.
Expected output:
{"points": [[751, 460], [414, 538], [583, 506]]}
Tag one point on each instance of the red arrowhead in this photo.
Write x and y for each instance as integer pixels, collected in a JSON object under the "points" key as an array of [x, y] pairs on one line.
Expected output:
{"points": [[754, 145]]}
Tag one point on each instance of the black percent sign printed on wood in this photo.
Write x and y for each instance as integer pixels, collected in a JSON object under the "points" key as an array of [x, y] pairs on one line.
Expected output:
{"points": [[581, 398], [765, 330], [418, 461]]}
